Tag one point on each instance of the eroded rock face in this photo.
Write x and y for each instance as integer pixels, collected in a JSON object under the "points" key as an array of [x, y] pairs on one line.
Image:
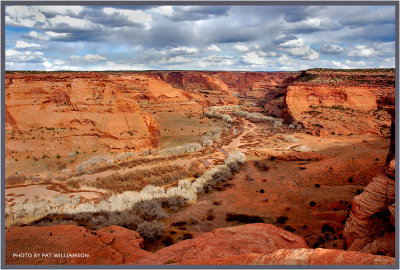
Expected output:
{"points": [[207, 88], [251, 238], [75, 114], [368, 219], [111, 245], [301, 256], [370, 226], [341, 102]]}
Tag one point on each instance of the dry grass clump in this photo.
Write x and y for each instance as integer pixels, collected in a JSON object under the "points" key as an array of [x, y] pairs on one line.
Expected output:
{"points": [[74, 184], [21, 179], [224, 117], [89, 166], [181, 150], [138, 179], [225, 108], [140, 161], [212, 136], [234, 160], [259, 117]]}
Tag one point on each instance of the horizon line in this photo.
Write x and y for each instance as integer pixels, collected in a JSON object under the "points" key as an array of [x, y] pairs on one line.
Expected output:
{"points": [[200, 70]]}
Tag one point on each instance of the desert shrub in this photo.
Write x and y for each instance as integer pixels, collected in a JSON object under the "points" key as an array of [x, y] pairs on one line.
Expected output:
{"points": [[282, 219], [187, 236], [256, 117], [211, 136], [206, 142], [180, 150], [138, 179], [167, 241], [87, 166], [243, 218], [125, 155], [277, 124], [66, 172], [290, 229], [75, 184], [150, 230], [149, 210], [16, 179], [224, 117], [224, 108], [234, 160]]}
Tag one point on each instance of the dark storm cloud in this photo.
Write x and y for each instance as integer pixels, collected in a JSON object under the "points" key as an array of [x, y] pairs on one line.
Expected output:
{"points": [[374, 16], [331, 49]]}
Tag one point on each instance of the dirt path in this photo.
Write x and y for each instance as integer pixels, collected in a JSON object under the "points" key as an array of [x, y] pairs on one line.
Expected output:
{"points": [[237, 141]]}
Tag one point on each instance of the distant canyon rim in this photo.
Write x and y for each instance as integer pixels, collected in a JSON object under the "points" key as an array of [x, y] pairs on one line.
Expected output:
{"points": [[201, 167]]}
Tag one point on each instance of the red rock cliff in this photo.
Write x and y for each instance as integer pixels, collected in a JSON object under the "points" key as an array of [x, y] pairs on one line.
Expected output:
{"points": [[344, 102]]}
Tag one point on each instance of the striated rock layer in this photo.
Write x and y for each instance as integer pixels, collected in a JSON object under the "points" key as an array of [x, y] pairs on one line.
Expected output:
{"points": [[370, 226], [59, 113]]}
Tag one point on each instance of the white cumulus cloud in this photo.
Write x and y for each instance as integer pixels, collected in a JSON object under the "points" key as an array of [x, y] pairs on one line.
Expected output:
{"points": [[25, 45]]}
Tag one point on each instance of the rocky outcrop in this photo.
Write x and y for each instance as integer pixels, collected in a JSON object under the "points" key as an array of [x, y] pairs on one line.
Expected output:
{"points": [[70, 244], [207, 88], [370, 226], [343, 102], [251, 238], [301, 256], [252, 244], [368, 220]]}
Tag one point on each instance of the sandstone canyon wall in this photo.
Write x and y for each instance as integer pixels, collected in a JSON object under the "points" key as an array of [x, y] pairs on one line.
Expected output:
{"points": [[341, 102]]}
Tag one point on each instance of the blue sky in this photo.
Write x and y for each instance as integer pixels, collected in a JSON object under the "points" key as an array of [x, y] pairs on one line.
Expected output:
{"points": [[260, 38]]}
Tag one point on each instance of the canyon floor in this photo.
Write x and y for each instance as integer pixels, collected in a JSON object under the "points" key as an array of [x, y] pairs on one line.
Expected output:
{"points": [[304, 164]]}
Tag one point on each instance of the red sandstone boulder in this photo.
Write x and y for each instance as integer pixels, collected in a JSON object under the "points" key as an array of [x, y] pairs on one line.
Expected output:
{"points": [[56, 245], [300, 256], [222, 242]]}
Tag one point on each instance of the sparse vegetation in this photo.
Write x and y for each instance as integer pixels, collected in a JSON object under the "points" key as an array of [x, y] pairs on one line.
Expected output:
{"points": [[224, 117], [150, 230], [258, 117], [209, 138], [180, 150], [138, 179], [242, 218], [131, 209]]}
